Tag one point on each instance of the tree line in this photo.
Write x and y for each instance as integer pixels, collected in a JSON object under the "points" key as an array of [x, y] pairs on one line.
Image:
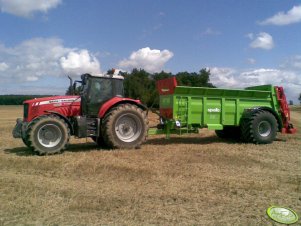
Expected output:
{"points": [[17, 99], [140, 84]]}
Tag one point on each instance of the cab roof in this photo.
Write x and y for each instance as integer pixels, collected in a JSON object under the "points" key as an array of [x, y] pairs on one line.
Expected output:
{"points": [[114, 76]]}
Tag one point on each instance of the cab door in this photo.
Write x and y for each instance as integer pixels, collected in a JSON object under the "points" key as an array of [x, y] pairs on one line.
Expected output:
{"points": [[99, 90]]}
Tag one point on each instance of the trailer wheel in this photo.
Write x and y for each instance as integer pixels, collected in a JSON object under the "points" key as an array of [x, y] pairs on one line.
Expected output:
{"points": [[125, 126], [259, 128], [48, 134]]}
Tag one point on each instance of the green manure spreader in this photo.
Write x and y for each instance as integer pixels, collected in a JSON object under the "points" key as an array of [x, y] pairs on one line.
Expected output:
{"points": [[254, 114]]}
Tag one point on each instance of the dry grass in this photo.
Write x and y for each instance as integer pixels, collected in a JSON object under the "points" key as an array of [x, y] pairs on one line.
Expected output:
{"points": [[189, 180]]}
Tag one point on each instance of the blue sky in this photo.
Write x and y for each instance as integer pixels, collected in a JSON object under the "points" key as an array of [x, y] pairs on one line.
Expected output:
{"points": [[243, 43]]}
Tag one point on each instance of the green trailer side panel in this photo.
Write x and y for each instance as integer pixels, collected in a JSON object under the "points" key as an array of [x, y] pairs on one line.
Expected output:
{"points": [[214, 108]]}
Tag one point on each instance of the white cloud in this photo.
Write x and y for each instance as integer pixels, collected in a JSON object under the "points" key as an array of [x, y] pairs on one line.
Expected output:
{"points": [[223, 77], [77, 63], [263, 40], [152, 60], [32, 59], [231, 78], [293, 62], [282, 18], [3, 66], [26, 8], [41, 57]]}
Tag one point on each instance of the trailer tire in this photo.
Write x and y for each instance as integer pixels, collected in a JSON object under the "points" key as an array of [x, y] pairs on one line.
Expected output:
{"points": [[48, 134], [259, 128], [125, 126]]}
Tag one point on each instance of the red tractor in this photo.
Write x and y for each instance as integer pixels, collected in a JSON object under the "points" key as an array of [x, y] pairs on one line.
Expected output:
{"points": [[100, 112]]}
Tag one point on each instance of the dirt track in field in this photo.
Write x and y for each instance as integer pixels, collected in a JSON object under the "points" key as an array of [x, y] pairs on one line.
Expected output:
{"points": [[189, 180]]}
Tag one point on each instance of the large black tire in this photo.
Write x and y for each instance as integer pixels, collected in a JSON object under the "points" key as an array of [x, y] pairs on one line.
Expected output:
{"points": [[259, 128], [229, 132], [125, 126], [48, 134]]}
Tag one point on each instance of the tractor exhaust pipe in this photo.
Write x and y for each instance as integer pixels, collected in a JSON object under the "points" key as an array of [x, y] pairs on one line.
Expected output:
{"points": [[71, 90]]}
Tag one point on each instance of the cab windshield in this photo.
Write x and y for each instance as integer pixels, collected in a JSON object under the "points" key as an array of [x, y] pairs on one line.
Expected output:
{"points": [[98, 90]]}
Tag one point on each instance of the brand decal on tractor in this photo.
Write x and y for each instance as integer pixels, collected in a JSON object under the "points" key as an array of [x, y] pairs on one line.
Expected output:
{"points": [[60, 101]]}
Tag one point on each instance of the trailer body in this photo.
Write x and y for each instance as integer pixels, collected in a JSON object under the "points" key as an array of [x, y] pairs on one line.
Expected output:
{"points": [[189, 108]]}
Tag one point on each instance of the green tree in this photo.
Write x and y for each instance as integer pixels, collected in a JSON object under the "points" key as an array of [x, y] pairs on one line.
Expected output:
{"points": [[73, 90], [140, 84], [137, 85], [299, 98], [201, 79]]}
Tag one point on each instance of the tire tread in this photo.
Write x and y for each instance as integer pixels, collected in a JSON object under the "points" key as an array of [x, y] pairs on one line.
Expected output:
{"points": [[107, 126], [30, 135]]}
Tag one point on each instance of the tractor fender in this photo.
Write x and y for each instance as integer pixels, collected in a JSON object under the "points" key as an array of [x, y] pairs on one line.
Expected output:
{"points": [[248, 112], [116, 101], [64, 118]]}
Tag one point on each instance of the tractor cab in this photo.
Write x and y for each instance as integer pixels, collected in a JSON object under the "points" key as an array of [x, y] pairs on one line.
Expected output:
{"points": [[97, 89]]}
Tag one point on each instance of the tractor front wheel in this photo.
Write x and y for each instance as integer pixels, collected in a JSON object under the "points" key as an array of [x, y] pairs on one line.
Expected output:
{"points": [[125, 126], [48, 134]]}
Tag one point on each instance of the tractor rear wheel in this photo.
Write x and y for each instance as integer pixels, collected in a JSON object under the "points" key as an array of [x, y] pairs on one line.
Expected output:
{"points": [[125, 126], [48, 134], [259, 128]]}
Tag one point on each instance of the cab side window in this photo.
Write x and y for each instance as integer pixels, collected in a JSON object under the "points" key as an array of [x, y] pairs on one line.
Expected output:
{"points": [[101, 90]]}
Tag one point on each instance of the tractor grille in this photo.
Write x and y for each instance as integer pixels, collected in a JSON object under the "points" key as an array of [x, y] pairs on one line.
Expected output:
{"points": [[25, 111]]}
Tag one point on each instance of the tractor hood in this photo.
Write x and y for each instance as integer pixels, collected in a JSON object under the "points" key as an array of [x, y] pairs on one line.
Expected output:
{"points": [[63, 100], [66, 106]]}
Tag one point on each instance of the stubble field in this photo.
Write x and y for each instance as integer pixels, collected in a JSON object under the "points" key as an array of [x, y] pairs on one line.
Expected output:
{"points": [[188, 180]]}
